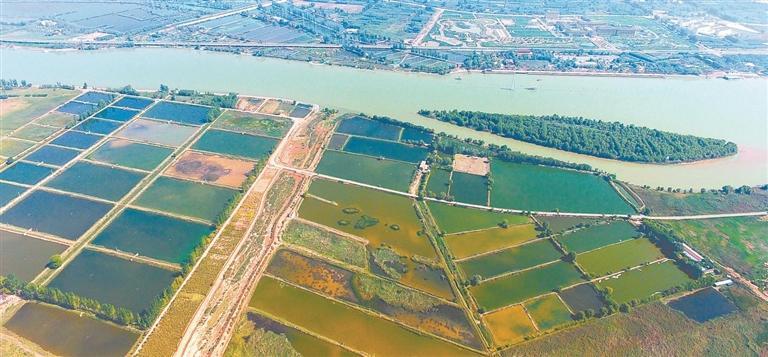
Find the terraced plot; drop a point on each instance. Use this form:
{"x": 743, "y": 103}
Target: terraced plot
{"x": 97, "y": 126}
{"x": 65, "y": 216}
{"x": 379, "y": 217}
{"x": 468, "y": 188}
{"x": 385, "y": 149}
{"x": 509, "y": 325}
{"x": 52, "y": 155}
{"x": 25, "y": 257}
{"x": 130, "y": 154}
{"x": 343, "y": 323}
{"x": 179, "y": 112}
{"x": 515, "y": 288}
{"x": 539, "y": 188}
{"x": 509, "y": 260}
{"x": 25, "y": 173}
{"x": 597, "y": 236}
{"x": 156, "y": 132}
{"x": 133, "y": 102}
{"x": 96, "y": 180}
{"x": 548, "y": 312}
{"x": 370, "y": 128}
{"x": 394, "y": 175}
{"x": 76, "y": 140}
{"x": 454, "y": 219}
{"x": 639, "y": 284}
{"x": 620, "y": 256}
{"x": 463, "y": 245}
{"x": 113, "y": 280}
{"x": 241, "y": 145}
{"x": 56, "y": 119}
{"x": 253, "y": 123}
{"x": 117, "y": 114}
{"x": 186, "y": 198}
{"x": 153, "y": 235}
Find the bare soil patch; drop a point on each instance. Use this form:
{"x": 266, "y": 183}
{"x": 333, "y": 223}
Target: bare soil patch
{"x": 249, "y": 104}
{"x": 211, "y": 168}
{"x": 471, "y": 164}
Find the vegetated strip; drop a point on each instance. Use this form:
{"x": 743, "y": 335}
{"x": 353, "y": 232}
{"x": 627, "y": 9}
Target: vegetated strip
{"x": 612, "y": 140}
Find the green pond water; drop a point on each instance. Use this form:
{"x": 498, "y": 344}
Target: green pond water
{"x": 129, "y": 154}
{"x": 187, "y": 198}
{"x": 67, "y": 333}
{"x": 732, "y": 110}
{"x": 96, "y": 180}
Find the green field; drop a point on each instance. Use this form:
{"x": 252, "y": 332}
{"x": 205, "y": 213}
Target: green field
{"x": 342, "y": 323}
{"x": 618, "y": 257}
{"x": 597, "y": 236}
{"x": 467, "y": 244}
{"x": 454, "y": 219}
{"x": 540, "y": 188}
{"x": 509, "y": 260}
{"x": 548, "y": 312}
{"x": 559, "y": 224}
{"x": 469, "y": 188}
{"x": 394, "y": 175}
{"x": 385, "y": 149}
{"x": 641, "y": 283}
{"x": 515, "y": 288}
{"x": 186, "y": 198}
{"x": 326, "y": 243}
{"x": 738, "y": 242}
{"x": 35, "y": 132}
{"x": 439, "y": 183}
{"x": 27, "y": 108}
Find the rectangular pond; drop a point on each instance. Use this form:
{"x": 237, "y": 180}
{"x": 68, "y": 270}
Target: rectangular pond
{"x": 62, "y": 215}
{"x": 582, "y": 297}
{"x": 97, "y": 126}
{"x": 370, "y": 128}
{"x": 469, "y": 188}
{"x": 598, "y": 235}
{"x": 52, "y": 155}
{"x": 35, "y": 132}
{"x": 235, "y": 144}
{"x": 510, "y": 259}
{"x": 644, "y": 282}
{"x": 113, "y": 280}
{"x": 455, "y": 219}
{"x": 133, "y": 102}
{"x": 253, "y": 123}
{"x": 8, "y": 192}
{"x": 394, "y": 175}
{"x": 77, "y": 108}
{"x": 130, "y": 154}
{"x": 96, "y": 180}
{"x": 179, "y": 112}
{"x": 471, "y": 243}
{"x": 386, "y": 149}
{"x": 26, "y": 173}
{"x": 703, "y": 305}
{"x": 620, "y": 256}
{"x": 77, "y": 140}
{"x": 96, "y": 97}
{"x": 156, "y": 132}
{"x": 25, "y": 257}
{"x": 186, "y": 198}
{"x": 117, "y": 114}
{"x": 153, "y": 235}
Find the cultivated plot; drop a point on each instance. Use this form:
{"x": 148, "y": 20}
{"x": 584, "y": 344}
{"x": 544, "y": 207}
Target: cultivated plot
{"x": 253, "y": 123}
{"x": 34, "y": 132}
{"x": 598, "y": 235}
{"x": 463, "y": 245}
{"x": 11, "y": 147}
{"x": 644, "y": 282}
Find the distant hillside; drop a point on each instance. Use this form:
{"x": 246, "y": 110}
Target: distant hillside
{"x": 592, "y": 137}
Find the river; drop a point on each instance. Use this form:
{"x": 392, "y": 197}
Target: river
{"x": 733, "y": 110}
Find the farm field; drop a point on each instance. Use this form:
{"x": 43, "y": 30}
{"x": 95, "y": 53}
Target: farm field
{"x": 394, "y": 175}
{"x": 613, "y": 258}
{"x": 253, "y": 123}
{"x": 327, "y": 243}
{"x": 28, "y": 106}
{"x": 539, "y": 188}
{"x": 509, "y": 325}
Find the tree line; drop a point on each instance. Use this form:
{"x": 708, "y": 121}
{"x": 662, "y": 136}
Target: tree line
{"x": 611, "y": 140}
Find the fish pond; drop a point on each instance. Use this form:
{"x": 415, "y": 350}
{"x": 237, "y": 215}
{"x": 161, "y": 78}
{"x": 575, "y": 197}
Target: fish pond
{"x": 25, "y": 257}
{"x": 69, "y": 333}
{"x": 113, "y": 280}
{"x": 510, "y": 259}
{"x": 370, "y": 128}
{"x": 469, "y": 188}
{"x": 509, "y": 325}
{"x": 65, "y": 216}
{"x": 394, "y": 175}
{"x": 133, "y": 102}
{"x": 540, "y": 188}
{"x": 8, "y": 192}
{"x": 703, "y": 305}
{"x": 598, "y": 235}
{"x": 337, "y": 141}
{"x": 439, "y": 183}
{"x": 130, "y": 154}
{"x": 582, "y": 297}
{"x": 52, "y": 155}
{"x": 96, "y": 180}
{"x": 548, "y": 312}
{"x": 179, "y": 112}
{"x": 117, "y": 114}
{"x": 96, "y": 97}
{"x": 186, "y": 198}
{"x": 217, "y": 169}
{"x": 511, "y": 289}
{"x": 385, "y": 149}
{"x": 342, "y": 323}
{"x": 168, "y": 134}
{"x": 619, "y": 256}
{"x": 76, "y": 140}
{"x": 454, "y": 219}
{"x": 77, "y": 108}
{"x": 97, "y": 126}
{"x": 467, "y": 244}
{"x": 153, "y": 235}
{"x": 26, "y": 173}
{"x": 236, "y": 144}
{"x": 639, "y": 284}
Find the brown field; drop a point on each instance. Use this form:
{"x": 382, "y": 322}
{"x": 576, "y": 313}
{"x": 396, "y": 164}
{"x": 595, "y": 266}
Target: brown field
{"x": 249, "y": 104}
{"x": 211, "y": 168}
{"x": 471, "y": 164}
